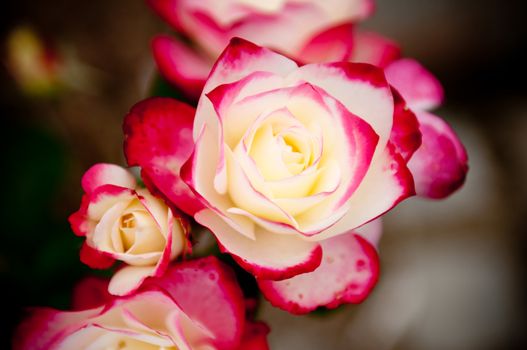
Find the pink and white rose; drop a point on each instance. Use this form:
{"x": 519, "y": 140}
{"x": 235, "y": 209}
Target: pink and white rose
{"x": 195, "y": 305}
{"x": 123, "y": 222}
{"x": 282, "y": 160}
{"x": 293, "y": 27}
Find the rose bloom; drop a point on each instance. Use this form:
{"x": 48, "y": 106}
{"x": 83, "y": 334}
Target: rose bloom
{"x": 195, "y": 305}
{"x": 283, "y": 164}
{"x": 126, "y": 223}
{"x": 294, "y": 27}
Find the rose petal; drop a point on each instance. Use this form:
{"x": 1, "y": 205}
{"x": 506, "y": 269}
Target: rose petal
{"x": 271, "y": 256}
{"x": 128, "y": 279}
{"x": 79, "y": 222}
{"x": 95, "y": 258}
{"x": 418, "y": 86}
{"x": 374, "y": 49}
{"x": 439, "y": 166}
{"x": 331, "y": 45}
{"x": 347, "y": 274}
{"x": 104, "y": 198}
{"x": 107, "y": 174}
{"x": 405, "y": 136}
{"x": 180, "y": 65}
{"x": 158, "y": 137}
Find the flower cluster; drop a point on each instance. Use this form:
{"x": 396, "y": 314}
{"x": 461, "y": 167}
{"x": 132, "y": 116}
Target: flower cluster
{"x": 304, "y": 131}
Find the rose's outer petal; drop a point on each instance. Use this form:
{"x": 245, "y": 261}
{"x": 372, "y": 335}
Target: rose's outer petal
{"x": 78, "y": 220}
{"x": 95, "y": 258}
{"x": 206, "y": 289}
{"x": 374, "y": 49}
{"x": 180, "y": 65}
{"x": 405, "y": 135}
{"x": 347, "y": 274}
{"x": 420, "y": 89}
{"x": 90, "y": 292}
{"x": 269, "y": 255}
{"x": 439, "y": 166}
{"x": 239, "y": 59}
{"x": 158, "y": 137}
{"x": 331, "y": 45}
{"x": 128, "y": 279}
{"x": 107, "y": 174}
{"x": 255, "y": 336}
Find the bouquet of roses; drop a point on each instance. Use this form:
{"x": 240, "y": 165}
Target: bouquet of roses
{"x": 298, "y": 133}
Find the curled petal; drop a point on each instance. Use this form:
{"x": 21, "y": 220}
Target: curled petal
{"x": 180, "y": 65}
{"x": 95, "y": 258}
{"x": 129, "y": 278}
{"x": 107, "y": 174}
{"x": 347, "y": 274}
{"x": 158, "y": 137}
{"x": 439, "y": 166}
{"x": 269, "y": 256}
{"x": 405, "y": 135}
{"x": 418, "y": 86}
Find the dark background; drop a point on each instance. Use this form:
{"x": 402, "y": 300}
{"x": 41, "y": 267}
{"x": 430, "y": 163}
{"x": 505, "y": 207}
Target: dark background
{"x": 453, "y": 272}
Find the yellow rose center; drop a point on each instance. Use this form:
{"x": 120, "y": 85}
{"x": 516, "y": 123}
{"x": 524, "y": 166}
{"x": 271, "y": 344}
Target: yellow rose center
{"x": 138, "y": 233}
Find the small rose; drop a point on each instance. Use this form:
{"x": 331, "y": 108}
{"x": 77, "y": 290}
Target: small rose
{"x": 196, "y": 305}
{"x": 126, "y": 223}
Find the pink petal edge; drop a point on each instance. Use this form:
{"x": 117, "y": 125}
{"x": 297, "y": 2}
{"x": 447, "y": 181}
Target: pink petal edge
{"x": 347, "y": 274}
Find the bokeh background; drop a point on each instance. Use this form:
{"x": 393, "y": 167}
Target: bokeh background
{"x": 453, "y": 272}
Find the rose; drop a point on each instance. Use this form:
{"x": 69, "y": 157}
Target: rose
{"x": 283, "y": 157}
{"x": 288, "y": 26}
{"x": 195, "y": 305}
{"x": 123, "y": 222}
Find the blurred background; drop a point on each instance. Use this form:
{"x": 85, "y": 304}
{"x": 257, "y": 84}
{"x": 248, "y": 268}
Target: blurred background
{"x": 453, "y": 271}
